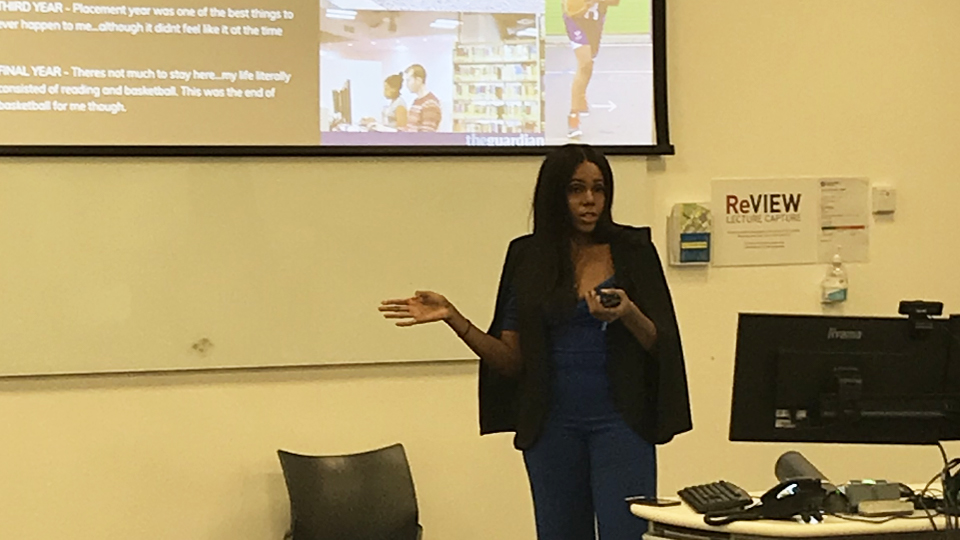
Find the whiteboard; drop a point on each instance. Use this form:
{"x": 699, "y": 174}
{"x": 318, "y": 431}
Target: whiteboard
{"x": 118, "y": 265}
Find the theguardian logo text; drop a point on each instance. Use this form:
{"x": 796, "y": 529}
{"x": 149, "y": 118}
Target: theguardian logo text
{"x": 521, "y": 139}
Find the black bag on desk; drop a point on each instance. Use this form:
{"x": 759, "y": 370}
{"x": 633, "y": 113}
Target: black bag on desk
{"x": 797, "y": 496}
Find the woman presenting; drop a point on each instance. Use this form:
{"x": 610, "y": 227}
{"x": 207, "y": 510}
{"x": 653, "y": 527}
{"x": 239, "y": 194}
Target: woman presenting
{"x": 588, "y": 384}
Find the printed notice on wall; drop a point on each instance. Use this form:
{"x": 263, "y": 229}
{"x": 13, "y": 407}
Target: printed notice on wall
{"x": 844, "y": 216}
{"x": 765, "y": 221}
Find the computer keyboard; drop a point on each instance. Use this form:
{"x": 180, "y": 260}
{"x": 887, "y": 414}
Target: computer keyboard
{"x": 715, "y": 496}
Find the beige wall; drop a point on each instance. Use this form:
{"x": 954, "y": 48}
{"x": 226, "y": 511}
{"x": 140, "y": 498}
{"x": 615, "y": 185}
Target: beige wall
{"x": 758, "y": 88}
{"x": 125, "y": 264}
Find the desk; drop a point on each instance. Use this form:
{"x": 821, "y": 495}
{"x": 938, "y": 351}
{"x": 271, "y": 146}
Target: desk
{"x": 682, "y": 523}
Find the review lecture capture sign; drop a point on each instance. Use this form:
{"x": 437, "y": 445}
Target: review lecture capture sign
{"x": 765, "y": 221}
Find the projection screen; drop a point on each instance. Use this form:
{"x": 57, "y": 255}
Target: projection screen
{"x": 337, "y": 77}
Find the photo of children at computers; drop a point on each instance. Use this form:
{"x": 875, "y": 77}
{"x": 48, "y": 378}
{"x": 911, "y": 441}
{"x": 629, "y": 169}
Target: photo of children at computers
{"x": 428, "y": 77}
{"x": 393, "y": 116}
{"x": 423, "y": 114}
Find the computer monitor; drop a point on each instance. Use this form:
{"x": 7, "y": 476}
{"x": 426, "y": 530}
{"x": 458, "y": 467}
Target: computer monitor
{"x": 342, "y": 105}
{"x": 835, "y": 379}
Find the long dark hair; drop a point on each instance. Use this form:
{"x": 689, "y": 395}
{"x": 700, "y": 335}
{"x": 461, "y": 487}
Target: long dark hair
{"x": 553, "y": 226}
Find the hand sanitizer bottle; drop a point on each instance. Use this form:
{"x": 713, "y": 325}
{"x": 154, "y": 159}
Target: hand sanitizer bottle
{"x": 833, "y": 288}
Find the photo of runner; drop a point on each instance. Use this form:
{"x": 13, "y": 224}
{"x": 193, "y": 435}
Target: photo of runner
{"x": 599, "y": 71}
{"x": 583, "y": 20}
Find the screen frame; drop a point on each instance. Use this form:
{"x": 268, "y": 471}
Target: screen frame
{"x": 756, "y": 376}
{"x": 662, "y": 145}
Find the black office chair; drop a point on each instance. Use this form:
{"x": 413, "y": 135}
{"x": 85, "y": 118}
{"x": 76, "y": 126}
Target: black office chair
{"x": 365, "y": 496}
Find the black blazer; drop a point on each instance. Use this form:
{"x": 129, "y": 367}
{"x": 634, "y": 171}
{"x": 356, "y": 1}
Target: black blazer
{"x": 649, "y": 387}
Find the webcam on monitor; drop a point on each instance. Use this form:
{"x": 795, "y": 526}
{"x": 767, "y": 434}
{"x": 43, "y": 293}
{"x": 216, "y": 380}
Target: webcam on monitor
{"x": 920, "y": 308}
{"x": 919, "y": 312}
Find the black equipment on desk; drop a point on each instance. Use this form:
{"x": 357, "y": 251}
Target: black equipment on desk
{"x": 803, "y": 496}
{"x": 717, "y": 496}
{"x": 791, "y": 465}
{"x": 798, "y": 497}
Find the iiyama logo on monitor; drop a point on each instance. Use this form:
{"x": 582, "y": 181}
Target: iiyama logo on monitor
{"x": 833, "y": 333}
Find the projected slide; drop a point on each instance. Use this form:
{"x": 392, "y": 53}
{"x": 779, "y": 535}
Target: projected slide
{"x": 345, "y": 73}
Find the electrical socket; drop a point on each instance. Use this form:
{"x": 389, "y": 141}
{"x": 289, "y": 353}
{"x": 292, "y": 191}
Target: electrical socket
{"x": 884, "y": 199}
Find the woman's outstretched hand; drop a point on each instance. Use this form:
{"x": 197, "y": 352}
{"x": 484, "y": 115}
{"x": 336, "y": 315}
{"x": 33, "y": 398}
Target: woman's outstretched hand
{"x": 423, "y": 307}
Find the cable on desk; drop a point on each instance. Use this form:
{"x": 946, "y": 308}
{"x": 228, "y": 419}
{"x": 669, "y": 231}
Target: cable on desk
{"x": 919, "y": 499}
{"x": 878, "y": 520}
{"x": 951, "y": 508}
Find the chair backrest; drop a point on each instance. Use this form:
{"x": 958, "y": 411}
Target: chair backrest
{"x": 364, "y": 496}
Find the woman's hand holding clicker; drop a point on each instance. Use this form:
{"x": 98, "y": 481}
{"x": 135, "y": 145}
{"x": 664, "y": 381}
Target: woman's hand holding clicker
{"x": 609, "y": 314}
{"x": 627, "y": 312}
